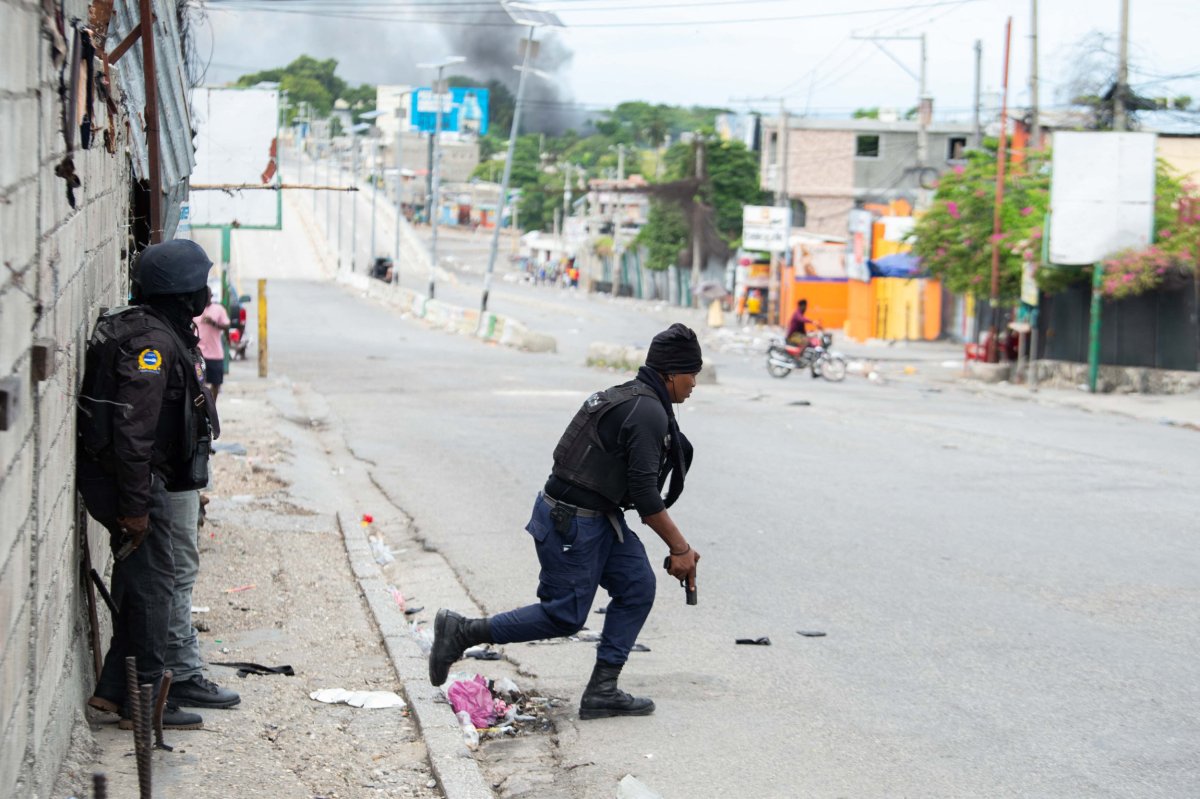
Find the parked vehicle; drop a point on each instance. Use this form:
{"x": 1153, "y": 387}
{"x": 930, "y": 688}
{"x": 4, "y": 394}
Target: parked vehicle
{"x": 782, "y": 358}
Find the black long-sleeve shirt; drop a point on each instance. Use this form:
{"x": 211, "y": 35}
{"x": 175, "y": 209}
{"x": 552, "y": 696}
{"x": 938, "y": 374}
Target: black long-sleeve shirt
{"x": 637, "y": 432}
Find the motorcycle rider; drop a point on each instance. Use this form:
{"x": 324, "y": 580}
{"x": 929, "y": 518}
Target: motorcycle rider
{"x": 797, "y": 329}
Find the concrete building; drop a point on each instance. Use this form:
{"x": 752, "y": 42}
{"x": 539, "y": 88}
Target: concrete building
{"x": 834, "y": 166}
{"x": 68, "y": 232}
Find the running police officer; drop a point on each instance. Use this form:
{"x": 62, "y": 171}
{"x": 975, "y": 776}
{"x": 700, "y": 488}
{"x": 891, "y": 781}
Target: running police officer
{"x": 146, "y": 422}
{"x": 615, "y": 454}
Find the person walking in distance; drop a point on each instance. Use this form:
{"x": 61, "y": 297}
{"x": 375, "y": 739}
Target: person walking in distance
{"x": 211, "y": 325}
{"x": 617, "y": 453}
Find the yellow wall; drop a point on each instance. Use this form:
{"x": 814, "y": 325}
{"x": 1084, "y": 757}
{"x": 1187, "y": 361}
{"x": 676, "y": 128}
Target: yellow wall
{"x": 894, "y": 308}
{"x": 827, "y": 300}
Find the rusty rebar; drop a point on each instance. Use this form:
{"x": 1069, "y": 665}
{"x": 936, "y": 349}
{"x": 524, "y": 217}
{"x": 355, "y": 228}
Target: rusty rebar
{"x": 163, "y": 687}
{"x": 133, "y": 706}
{"x": 99, "y": 785}
{"x": 143, "y": 729}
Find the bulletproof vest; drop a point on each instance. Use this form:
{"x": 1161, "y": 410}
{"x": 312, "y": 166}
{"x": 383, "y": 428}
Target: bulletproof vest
{"x": 96, "y": 406}
{"x": 580, "y": 457}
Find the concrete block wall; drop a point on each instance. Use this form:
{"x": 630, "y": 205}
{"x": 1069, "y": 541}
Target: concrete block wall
{"x": 60, "y": 265}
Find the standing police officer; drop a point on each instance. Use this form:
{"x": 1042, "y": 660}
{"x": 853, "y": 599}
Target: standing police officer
{"x": 615, "y": 454}
{"x": 146, "y": 422}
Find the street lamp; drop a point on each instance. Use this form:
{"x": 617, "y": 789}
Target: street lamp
{"x": 435, "y": 167}
{"x": 373, "y": 115}
{"x": 533, "y": 19}
{"x": 354, "y": 131}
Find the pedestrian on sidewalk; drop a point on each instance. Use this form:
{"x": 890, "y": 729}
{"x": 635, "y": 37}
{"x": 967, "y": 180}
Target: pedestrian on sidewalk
{"x": 211, "y": 325}
{"x": 616, "y": 454}
{"x": 145, "y": 426}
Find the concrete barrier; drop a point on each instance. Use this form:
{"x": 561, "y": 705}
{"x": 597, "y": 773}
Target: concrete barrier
{"x": 605, "y": 355}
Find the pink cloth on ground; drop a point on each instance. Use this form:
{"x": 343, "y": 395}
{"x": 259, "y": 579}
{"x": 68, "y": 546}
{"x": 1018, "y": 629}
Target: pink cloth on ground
{"x": 210, "y": 335}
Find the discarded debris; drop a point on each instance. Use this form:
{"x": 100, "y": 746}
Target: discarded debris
{"x": 639, "y": 648}
{"x": 379, "y": 548}
{"x": 482, "y": 653}
{"x": 764, "y": 641}
{"x": 240, "y": 588}
{"x": 231, "y": 448}
{"x": 368, "y": 700}
{"x": 245, "y": 667}
{"x": 470, "y": 734}
{"x": 474, "y": 697}
{"x": 600, "y": 611}
{"x": 630, "y": 787}
{"x": 203, "y": 609}
{"x": 811, "y": 633}
{"x": 801, "y": 403}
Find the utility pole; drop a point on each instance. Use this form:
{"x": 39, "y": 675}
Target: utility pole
{"x": 618, "y": 257}
{"x": 1035, "y": 126}
{"x": 698, "y": 224}
{"x": 1120, "y": 113}
{"x": 993, "y": 355}
{"x": 924, "y": 105}
{"x": 328, "y": 178}
{"x": 399, "y": 201}
{"x": 341, "y": 173}
{"x": 374, "y": 197}
{"x": 435, "y": 185}
{"x": 354, "y": 204}
{"x": 977, "y": 127}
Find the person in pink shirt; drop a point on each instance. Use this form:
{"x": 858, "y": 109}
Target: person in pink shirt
{"x": 211, "y": 325}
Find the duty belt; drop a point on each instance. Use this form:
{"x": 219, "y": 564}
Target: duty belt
{"x": 587, "y": 513}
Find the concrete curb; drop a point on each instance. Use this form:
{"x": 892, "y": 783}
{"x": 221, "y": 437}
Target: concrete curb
{"x": 490, "y": 327}
{"x": 452, "y": 763}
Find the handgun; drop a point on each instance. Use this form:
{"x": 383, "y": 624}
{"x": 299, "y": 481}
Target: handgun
{"x": 691, "y": 592}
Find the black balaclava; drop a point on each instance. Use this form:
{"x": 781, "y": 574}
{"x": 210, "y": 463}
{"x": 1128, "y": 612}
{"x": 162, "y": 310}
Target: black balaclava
{"x": 179, "y": 310}
{"x": 674, "y": 351}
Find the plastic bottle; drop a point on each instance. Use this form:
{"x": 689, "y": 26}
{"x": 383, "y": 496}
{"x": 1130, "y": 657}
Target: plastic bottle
{"x": 470, "y": 734}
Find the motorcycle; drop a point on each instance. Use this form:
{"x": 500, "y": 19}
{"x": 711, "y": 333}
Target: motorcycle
{"x": 782, "y": 358}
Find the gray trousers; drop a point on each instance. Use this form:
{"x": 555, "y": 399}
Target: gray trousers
{"x": 183, "y": 649}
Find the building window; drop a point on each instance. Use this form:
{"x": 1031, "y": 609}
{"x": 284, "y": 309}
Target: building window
{"x": 799, "y": 212}
{"x": 956, "y": 148}
{"x": 866, "y": 147}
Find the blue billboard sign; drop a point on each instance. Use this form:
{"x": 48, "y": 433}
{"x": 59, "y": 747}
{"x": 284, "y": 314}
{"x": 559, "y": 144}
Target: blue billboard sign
{"x": 464, "y": 110}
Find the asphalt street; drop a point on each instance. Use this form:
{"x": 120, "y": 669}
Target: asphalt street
{"x": 1009, "y": 592}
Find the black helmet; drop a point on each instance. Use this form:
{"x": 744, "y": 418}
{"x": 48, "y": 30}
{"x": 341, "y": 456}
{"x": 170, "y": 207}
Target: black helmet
{"x": 179, "y": 266}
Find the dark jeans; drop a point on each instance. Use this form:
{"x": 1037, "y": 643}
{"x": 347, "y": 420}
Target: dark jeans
{"x": 142, "y": 588}
{"x": 569, "y": 579}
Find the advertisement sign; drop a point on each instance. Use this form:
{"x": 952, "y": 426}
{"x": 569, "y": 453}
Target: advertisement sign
{"x": 766, "y": 228}
{"x": 1101, "y": 195}
{"x": 858, "y": 247}
{"x": 464, "y": 110}
{"x": 235, "y": 143}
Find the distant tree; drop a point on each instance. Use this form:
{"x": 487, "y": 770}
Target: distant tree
{"x": 866, "y": 113}
{"x": 1183, "y": 102}
{"x": 1091, "y": 84}
{"x": 361, "y": 99}
{"x": 307, "y": 80}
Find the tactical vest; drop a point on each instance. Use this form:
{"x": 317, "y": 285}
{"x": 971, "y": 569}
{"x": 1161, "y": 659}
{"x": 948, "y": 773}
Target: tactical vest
{"x": 97, "y": 395}
{"x": 580, "y": 457}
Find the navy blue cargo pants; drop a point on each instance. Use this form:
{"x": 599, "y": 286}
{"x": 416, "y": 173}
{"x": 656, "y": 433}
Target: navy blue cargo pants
{"x": 574, "y": 564}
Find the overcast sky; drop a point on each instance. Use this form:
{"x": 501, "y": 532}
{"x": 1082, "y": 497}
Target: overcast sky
{"x": 814, "y": 62}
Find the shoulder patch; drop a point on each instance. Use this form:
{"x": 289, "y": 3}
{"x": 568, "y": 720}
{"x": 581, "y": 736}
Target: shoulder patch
{"x": 149, "y": 360}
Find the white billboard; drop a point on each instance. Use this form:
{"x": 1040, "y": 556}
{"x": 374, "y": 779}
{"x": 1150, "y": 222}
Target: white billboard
{"x": 235, "y": 144}
{"x": 766, "y": 228}
{"x": 1101, "y": 195}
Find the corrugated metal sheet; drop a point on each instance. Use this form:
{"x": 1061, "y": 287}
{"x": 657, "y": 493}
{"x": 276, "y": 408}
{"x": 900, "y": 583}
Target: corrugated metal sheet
{"x": 174, "y": 119}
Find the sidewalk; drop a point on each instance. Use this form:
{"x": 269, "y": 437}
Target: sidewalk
{"x": 276, "y": 588}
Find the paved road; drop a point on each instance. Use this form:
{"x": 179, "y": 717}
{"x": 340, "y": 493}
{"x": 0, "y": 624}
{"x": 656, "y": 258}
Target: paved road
{"x": 1010, "y": 591}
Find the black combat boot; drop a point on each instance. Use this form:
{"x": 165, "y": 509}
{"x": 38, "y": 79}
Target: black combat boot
{"x": 452, "y": 634}
{"x": 602, "y": 698}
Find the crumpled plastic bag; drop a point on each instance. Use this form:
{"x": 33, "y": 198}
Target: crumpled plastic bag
{"x": 369, "y": 700}
{"x": 474, "y": 697}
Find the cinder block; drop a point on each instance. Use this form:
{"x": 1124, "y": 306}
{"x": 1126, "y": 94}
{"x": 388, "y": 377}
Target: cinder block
{"x": 53, "y": 664}
{"x": 14, "y": 663}
{"x": 18, "y": 160}
{"x": 18, "y": 55}
{"x": 16, "y": 736}
{"x": 16, "y": 504}
{"x": 19, "y": 231}
{"x": 14, "y": 585}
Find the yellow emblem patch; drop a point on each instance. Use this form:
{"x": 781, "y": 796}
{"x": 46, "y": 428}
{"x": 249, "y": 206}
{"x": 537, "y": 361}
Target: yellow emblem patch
{"x": 149, "y": 360}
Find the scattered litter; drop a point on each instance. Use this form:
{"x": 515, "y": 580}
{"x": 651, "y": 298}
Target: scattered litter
{"x": 413, "y": 611}
{"x": 242, "y": 499}
{"x": 368, "y": 700}
{"x": 507, "y": 687}
{"x": 587, "y": 636}
{"x": 228, "y": 448}
{"x": 470, "y": 734}
{"x": 764, "y": 641}
{"x": 601, "y": 611}
{"x": 423, "y": 636}
{"x": 397, "y": 596}
{"x": 811, "y": 633}
{"x": 204, "y": 609}
{"x": 240, "y": 588}
{"x": 640, "y": 648}
{"x": 482, "y": 653}
{"x": 201, "y": 626}
{"x": 474, "y": 697}
{"x": 910, "y": 370}
{"x": 801, "y": 403}
{"x": 245, "y": 667}
{"x": 379, "y": 548}
{"x": 630, "y": 787}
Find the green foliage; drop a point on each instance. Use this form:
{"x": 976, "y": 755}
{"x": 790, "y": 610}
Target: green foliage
{"x": 647, "y": 125}
{"x": 1176, "y": 250}
{"x": 732, "y": 182}
{"x": 664, "y": 236}
{"x": 954, "y": 237}
{"x": 315, "y": 82}
{"x": 866, "y": 113}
